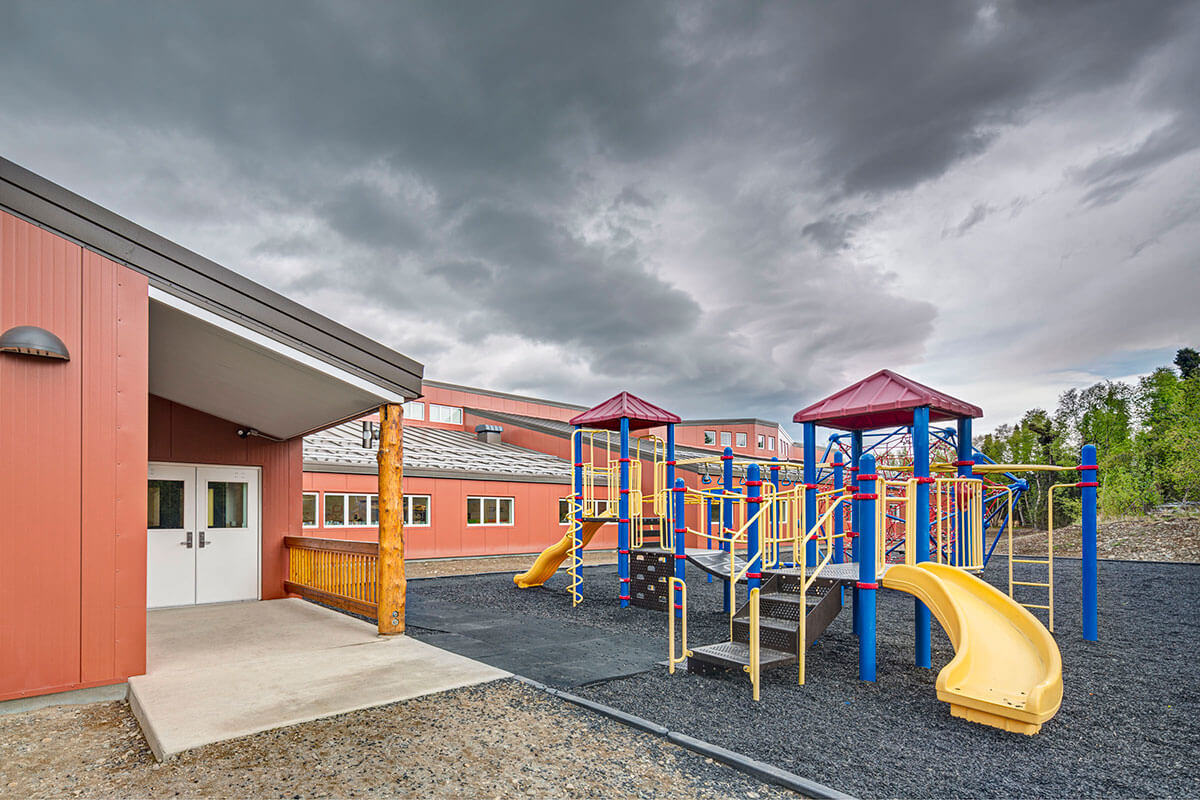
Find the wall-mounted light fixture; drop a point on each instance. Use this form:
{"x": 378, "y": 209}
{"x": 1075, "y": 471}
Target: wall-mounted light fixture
{"x": 30, "y": 340}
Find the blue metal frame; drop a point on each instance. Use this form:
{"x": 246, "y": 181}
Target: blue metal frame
{"x": 623, "y": 517}
{"x": 864, "y": 604}
{"x": 920, "y": 439}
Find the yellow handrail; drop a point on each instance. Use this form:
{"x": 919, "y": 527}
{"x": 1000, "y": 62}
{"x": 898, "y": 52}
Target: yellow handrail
{"x": 684, "y": 652}
{"x": 753, "y": 667}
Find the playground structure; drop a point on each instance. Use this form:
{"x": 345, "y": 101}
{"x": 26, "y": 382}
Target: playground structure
{"x": 873, "y": 511}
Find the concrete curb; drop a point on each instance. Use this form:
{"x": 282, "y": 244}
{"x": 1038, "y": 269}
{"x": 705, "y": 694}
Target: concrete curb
{"x": 749, "y": 766}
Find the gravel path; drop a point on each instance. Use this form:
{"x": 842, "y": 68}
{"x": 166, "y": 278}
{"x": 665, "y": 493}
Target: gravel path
{"x": 502, "y": 739}
{"x": 1129, "y": 725}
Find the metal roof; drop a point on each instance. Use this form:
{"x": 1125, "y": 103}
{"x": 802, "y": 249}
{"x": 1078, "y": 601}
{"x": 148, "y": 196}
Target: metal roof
{"x": 883, "y": 400}
{"x": 204, "y": 283}
{"x": 435, "y": 453}
{"x": 608, "y": 415}
{"x": 682, "y": 452}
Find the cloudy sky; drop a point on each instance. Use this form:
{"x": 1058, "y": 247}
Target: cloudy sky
{"x": 728, "y": 208}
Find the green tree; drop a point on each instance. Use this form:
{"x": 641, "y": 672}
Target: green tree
{"x": 1188, "y": 361}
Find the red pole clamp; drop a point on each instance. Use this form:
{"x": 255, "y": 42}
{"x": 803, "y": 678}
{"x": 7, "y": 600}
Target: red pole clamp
{"x": 623, "y": 552}
{"x": 867, "y": 476}
{"x": 679, "y": 489}
{"x": 579, "y": 463}
{"x": 812, "y": 486}
{"x": 754, "y": 575}
{"x": 754, "y": 499}
{"x": 754, "y": 483}
{"x": 865, "y": 496}
{"x": 926, "y": 479}
{"x": 1084, "y": 484}
{"x": 726, "y": 458}
{"x": 671, "y": 463}
{"x": 681, "y": 530}
{"x": 862, "y": 585}
{"x": 624, "y": 460}
{"x": 677, "y": 556}
{"x": 624, "y": 521}
{"x": 851, "y": 534}
{"x": 624, "y": 491}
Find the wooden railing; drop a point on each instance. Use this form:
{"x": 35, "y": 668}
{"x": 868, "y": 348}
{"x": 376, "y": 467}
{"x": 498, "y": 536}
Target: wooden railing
{"x": 336, "y": 572}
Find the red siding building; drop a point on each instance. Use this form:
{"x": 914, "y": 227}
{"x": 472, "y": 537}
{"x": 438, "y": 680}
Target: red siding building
{"x": 153, "y": 406}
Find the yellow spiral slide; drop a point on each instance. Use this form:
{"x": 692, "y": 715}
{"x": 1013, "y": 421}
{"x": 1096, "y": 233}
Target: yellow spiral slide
{"x": 552, "y": 557}
{"x": 1006, "y": 671}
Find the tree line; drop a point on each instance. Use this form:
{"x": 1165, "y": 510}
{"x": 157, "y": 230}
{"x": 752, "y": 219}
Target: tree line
{"x": 1147, "y": 437}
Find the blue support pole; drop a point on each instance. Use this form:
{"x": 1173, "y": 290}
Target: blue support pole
{"x": 753, "y": 501}
{"x": 670, "y": 470}
{"x": 810, "y": 489}
{"x": 1088, "y": 482}
{"x": 920, "y": 439}
{"x": 865, "y": 605}
{"x": 727, "y": 514}
{"x": 577, "y": 505}
{"x": 856, "y": 453}
{"x": 839, "y": 551}
{"x": 623, "y": 517}
{"x": 677, "y": 495}
{"x": 963, "y": 463}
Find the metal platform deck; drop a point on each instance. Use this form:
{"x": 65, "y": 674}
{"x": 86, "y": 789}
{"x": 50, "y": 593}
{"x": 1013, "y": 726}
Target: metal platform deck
{"x": 716, "y": 562}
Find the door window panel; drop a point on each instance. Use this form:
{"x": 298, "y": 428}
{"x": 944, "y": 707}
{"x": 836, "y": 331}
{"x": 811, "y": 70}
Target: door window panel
{"x": 227, "y": 504}
{"x": 164, "y": 505}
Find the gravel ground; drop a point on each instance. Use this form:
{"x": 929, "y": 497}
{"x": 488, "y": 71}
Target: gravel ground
{"x": 1128, "y": 726}
{"x": 502, "y": 739}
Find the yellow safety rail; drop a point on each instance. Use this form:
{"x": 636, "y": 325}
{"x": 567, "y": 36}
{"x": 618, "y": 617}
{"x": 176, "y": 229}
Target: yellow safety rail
{"x": 754, "y": 667}
{"x": 672, "y": 583}
{"x": 958, "y": 509}
{"x": 340, "y": 573}
{"x": 825, "y": 525}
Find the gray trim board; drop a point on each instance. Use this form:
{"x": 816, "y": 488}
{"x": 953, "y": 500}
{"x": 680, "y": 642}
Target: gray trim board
{"x": 457, "y": 387}
{"x": 426, "y": 472}
{"x": 199, "y": 280}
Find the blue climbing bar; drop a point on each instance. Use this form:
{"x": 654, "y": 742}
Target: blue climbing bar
{"x": 839, "y": 551}
{"x": 670, "y": 470}
{"x": 864, "y": 606}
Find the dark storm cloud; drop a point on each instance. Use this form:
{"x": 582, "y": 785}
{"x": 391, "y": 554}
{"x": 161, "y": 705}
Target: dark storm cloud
{"x": 509, "y": 169}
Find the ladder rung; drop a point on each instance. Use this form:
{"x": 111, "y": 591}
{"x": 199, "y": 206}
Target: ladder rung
{"x": 1031, "y": 605}
{"x": 1028, "y": 583}
{"x": 1030, "y": 561}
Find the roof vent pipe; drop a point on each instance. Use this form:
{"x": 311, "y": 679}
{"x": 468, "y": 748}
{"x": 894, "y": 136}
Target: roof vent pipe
{"x": 489, "y": 434}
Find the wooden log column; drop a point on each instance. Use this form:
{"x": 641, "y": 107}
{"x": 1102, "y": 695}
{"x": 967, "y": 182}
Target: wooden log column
{"x": 392, "y": 584}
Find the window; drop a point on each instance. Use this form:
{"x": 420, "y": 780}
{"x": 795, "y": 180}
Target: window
{"x": 414, "y": 410}
{"x": 335, "y": 510}
{"x": 564, "y": 512}
{"x": 448, "y": 414}
{"x": 349, "y": 510}
{"x": 416, "y": 510}
{"x": 164, "y": 509}
{"x": 741, "y": 440}
{"x": 770, "y": 442}
{"x": 710, "y": 437}
{"x": 762, "y": 441}
{"x": 489, "y": 511}
{"x": 726, "y": 439}
{"x": 308, "y": 510}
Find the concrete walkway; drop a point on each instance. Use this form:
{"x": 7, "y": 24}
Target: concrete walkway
{"x": 222, "y": 671}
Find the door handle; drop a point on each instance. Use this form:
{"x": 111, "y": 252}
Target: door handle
{"x": 202, "y": 542}
{"x": 188, "y": 542}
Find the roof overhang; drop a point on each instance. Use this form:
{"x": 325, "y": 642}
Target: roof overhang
{"x": 207, "y": 362}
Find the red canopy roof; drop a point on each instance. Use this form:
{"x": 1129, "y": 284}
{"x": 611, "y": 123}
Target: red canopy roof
{"x": 608, "y": 414}
{"x": 883, "y": 400}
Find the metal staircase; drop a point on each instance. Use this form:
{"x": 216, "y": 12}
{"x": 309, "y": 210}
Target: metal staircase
{"x": 781, "y": 603}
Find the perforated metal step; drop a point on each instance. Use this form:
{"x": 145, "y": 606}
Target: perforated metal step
{"x": 735, "y": 655}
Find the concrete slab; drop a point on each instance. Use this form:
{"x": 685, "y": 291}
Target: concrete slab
{"x": 223, "y": 671}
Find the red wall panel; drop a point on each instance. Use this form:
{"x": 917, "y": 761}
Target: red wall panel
{"x": 181, "y": 434}
{"x": 40, "y": 432}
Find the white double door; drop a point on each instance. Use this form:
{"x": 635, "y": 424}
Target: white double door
{"x": 203, "y": 535}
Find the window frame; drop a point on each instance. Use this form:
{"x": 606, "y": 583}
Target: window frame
{"x": 710, "y": 438}
{"x": 414, "y": 404}
{"x": 317, "y": 506}
{"x": 457, "y": 413}
{"x": 726, "y": 439}
{"x": 762, "y": 441}
{"x": 742, "y": 439}
{"x": 483, "y": 523}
